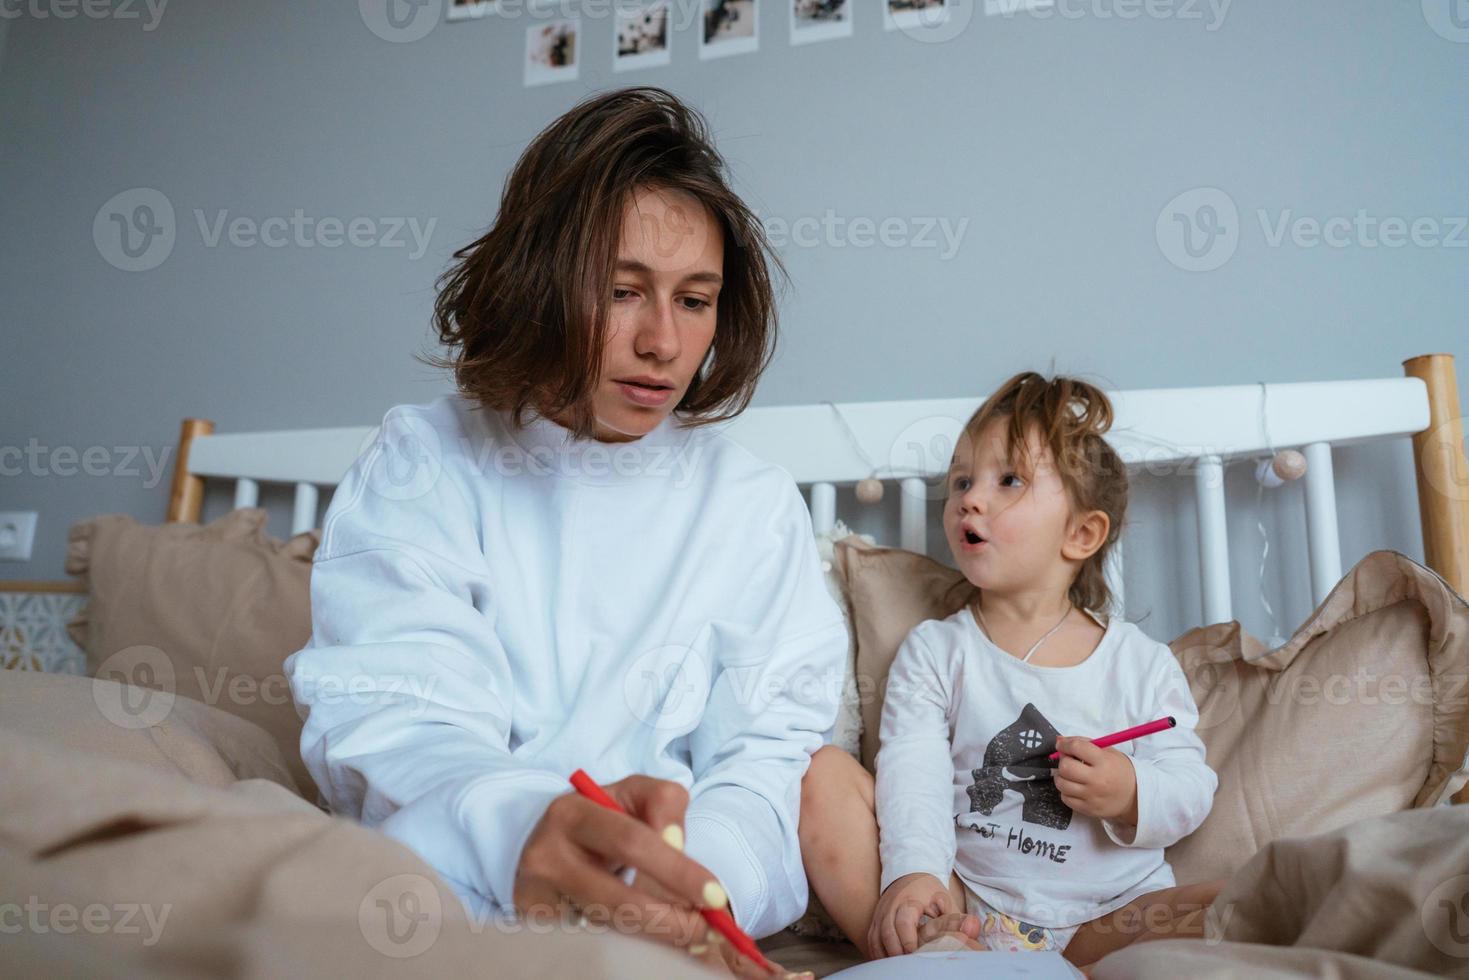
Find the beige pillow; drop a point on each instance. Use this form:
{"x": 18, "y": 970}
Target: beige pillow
{"x": 1299, "y": 743}
{"x": 1361, "y": 713}
{"x": 890, "y": 591}
{"x": 848, "y": 730}
{"x": 208, "y": 612}
{"x": 135, "y": 725}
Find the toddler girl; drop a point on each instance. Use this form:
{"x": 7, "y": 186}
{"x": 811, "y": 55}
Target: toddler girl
{"x": 976, "y": 828}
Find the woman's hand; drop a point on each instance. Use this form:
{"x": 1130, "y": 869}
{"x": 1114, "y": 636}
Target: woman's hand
{"x": 573, "y": 851}
{"x": 722, "y": 955}
{"x": 894, "y": 929}
{"x": 1096, "y": 782}
{"x": 712, "y": 949}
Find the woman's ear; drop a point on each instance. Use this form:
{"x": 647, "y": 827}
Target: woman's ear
{"x": 1087, "y": 533}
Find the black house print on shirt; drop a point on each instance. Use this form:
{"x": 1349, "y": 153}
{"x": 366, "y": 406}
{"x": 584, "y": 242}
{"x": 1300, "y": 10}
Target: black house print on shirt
{"x": 1016, "y": 760}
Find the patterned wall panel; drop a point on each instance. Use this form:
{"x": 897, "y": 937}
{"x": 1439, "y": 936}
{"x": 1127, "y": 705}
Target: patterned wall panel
{"x": 33, "y": 632}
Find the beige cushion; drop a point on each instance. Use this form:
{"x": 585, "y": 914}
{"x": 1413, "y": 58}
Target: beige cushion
{"x": 1363, "y": 712}
{"x": 848, "y": 729}
{"x": 207, "y": 612}
{"x": 136, "y": 725}
{"x": 890, "y": 591}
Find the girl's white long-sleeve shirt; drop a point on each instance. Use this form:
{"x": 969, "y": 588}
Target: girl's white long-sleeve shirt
{"x": 964, "y": 782}
{"x": 493, "y": 609}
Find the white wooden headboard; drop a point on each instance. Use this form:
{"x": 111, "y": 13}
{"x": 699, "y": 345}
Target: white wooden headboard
{"x": 1183, "y": 431}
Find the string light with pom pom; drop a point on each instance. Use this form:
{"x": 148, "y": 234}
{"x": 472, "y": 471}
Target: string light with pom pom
{"x": 869, "y": 490}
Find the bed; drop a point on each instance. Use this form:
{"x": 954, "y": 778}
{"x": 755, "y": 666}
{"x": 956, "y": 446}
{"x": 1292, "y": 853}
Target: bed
{"x": 126, "y": 792}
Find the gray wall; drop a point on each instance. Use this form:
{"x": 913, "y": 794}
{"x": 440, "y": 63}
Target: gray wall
{"x": 1060, "y": 141}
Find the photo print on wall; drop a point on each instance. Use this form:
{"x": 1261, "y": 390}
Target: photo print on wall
{"x": 551, "y": 52}
{"x": 820, "y": 20}
{"x": 642, "y": 37}
{"x": 914, "y": 14}
{"x": 729, "y": 27}
{"x": 469, "y": 9}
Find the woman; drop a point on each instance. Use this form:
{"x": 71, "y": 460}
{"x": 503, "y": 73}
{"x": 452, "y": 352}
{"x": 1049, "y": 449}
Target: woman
{"x": 567, "y": 565}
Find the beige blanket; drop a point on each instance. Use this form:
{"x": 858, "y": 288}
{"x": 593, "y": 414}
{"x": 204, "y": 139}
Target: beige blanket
{"x": 176, "y": 849}
{"x": 1385, "y": 897}
{"x": 116, "y": 869}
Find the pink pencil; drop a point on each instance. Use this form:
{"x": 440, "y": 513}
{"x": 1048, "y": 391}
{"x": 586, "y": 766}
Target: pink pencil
{"x": 1136, "y": 731}
{"x": 720, "y": 919}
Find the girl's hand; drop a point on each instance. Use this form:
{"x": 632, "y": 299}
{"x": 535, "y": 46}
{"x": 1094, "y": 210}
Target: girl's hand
{"x": 894, "y": 929}
{"x": 1096, "y": 782}
{"x": 571, "y": 855}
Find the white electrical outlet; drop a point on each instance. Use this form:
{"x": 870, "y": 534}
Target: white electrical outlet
{"x": 17, "y": 533}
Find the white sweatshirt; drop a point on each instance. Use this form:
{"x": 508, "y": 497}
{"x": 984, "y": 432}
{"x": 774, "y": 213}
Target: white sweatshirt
{"x": 964, "y": 783}
{"x": 494, "y": 610}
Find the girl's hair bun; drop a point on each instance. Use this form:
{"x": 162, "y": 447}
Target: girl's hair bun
{"x": 1094, "y": 413}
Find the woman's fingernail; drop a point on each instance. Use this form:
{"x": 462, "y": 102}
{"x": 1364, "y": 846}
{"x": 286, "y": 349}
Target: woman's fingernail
{"x": 698, "y": 949}
{"x": 673, "y": 833}
{"x": 714, "y": 896}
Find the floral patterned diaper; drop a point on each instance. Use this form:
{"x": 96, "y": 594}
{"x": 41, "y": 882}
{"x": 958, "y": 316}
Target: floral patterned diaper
{"x": 1002, "y": 932}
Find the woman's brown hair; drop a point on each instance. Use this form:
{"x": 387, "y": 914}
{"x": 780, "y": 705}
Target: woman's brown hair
{"x": 1070, "y": 417}
{"x": 525, "y": 309}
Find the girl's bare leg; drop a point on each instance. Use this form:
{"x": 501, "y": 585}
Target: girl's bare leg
{"x": 1169, "y": 913}
{"x": 838, "y": 834}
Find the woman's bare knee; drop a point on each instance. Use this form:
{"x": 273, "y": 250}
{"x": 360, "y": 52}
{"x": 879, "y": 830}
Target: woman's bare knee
{"x": 833, "y": 789}
{"x": 833, "y": 777}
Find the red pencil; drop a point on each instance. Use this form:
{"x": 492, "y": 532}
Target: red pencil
{"x": 718, "y": 918}
{"x": 1136, "y": 731}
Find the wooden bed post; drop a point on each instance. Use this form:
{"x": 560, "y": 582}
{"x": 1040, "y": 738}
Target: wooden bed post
{"x": 1443, "y": 471}
{"x": 1443, "y": 479}
{"x": 186, "y": 498}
